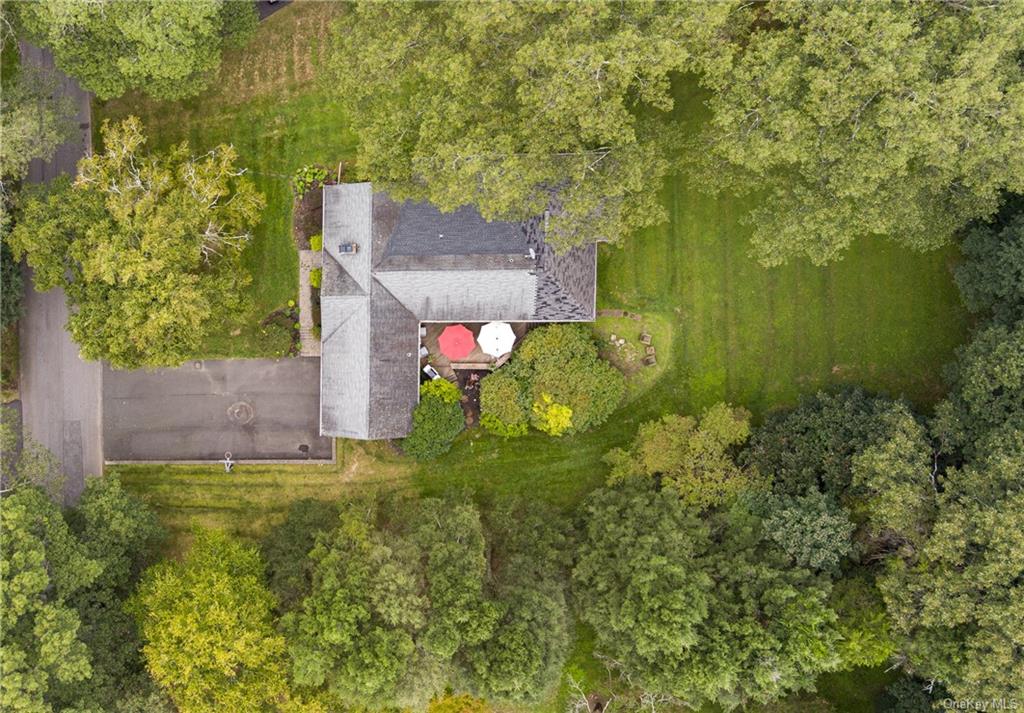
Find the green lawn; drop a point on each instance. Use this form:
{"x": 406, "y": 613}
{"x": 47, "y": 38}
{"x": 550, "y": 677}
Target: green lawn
{"x": 266, "y": 102}
{"x": 883, "y": 317}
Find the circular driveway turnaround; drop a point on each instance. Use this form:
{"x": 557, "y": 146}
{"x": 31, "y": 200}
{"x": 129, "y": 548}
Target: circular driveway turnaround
{"x": 259, "y": 409}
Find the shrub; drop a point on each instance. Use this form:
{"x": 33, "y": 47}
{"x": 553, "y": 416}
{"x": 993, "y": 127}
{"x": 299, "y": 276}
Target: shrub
{"x": 307, "y": 178}
{"x": 315, "y": 276}
{"x": 563, "y": 386}
{"x": 501, "y": 404}
{"x": 316, "y": 242}
{"x": 552, "y": 418}
{"x": 436, "y": 421}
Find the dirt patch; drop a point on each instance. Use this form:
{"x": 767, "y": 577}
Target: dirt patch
{"x": 469, "y": 385}
{"x": 307, "y": 217}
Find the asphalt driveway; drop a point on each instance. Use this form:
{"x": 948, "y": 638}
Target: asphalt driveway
{"x": 258, "y": 409}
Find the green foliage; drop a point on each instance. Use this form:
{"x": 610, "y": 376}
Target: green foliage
{"x": 811, "y": 529}
{"x": 458, "y": 704}
{"x": 35, "y": 118}
{"x": 502, "y": 405}
{"x": 42, "y": 565}
{"x": 315, "y": 276}
{"x": 146, "y": 247}
{"x": 986, "y": 389}
{"x": 701, "y": 611}
{"x": 865, "y": 635}
{"x": 285, "y": 549}
{"x": 911, "y": 695}
{"x": 813, "y": 445}
{"x": 552, "y": 418}
{"x": 316, "y": 242}
{"x": 989, "y": 277}
{"x": 451, "y": 537}
{"x": 30, "y": 465}
{"x": 560, "y": 384}
{"x": 11, "y": 288}
{"x": 892, "y": 477}
{"x": 539, "y": 98}
{"x": 436, "y": 420}
{"x": 691, "y": 458}
{"x": 166, "y": 49}
{"x": 635, "y": 583}
{"x": 864, "y": 119}
{"x": 955, "y": 603}
{"x": 306, "y": 179}
{"x": 523, "y": 658}
{"x": 355, "y": 631}
{"x": 206, "y": 622}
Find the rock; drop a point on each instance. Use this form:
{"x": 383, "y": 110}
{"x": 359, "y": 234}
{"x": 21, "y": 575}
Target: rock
{"x": 236, "y": 332}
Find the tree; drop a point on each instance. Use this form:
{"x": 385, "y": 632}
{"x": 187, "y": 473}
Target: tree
{"x": 560, "y": 378}
{"x": 691, "y": 458}
{"x": 705, "y": 612}
{"x": 866, "y": 637}
{"x": 813, "y": 445}
{"x": 119, "y": 532}
{"x": 504, "y": 405}
{"x": 451, "y": 537}
{"x": 524, "y": 655}
{"x": 35, "y": 119}
{"x": 546, "y": 106}
{"x": 207, "y": 626}
{"x": 989, "y": 277}
{"x": 811, "y": 529}
{"x": 146, "y": 247}
{"x": 436, "y": 420}
{"x": 169, "y": 50}
{"x": 28, "y": 462}
{"x": 10, "y": 287}
{"x": 986, "y": 390}
{"x": 285, "y": 549}
{"x": 637, "y": 580}
{"x": 893, "y": 478}
{"x": 355, "y": 632}
{"x": 956, "y": 603}
{"x": 864, "y": 119}
{"x": 42, "y": 565}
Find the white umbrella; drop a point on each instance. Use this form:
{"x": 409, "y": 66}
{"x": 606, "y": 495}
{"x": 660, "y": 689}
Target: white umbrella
{"x": 496, "y": 338}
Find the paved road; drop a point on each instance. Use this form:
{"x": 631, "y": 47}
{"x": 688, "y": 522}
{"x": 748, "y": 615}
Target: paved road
{"x": 256, "y": 408}
{"x": 60, "y": 393}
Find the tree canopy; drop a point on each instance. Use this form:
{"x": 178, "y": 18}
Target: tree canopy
{"x": 546, "y": 105}
{"x": 164, "y": 48}
{"x": 207, "y": 627}
{"x": 864, "y": 119}
{"x": 146, "y": 247}
{"x": 561, "y": 385}
{"x": 35, "y": 119}
{"x": 692, "y": 458}
{"x": 701, "y": 610}
{"x": 989, "y": 277}
{"x": 436, "y": 420}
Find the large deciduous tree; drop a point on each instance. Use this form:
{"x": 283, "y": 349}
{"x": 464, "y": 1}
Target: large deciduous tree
{"x": 863, "y": 119}
{"x": 147, "y": 247}
{"x": 990, "y": 276}
{"x": 690, "y": 457}
{"x": 957, "y": 603}
{"x": 703, "y": 611}
{"x": 518, "y": 107}
{"x": 42, "y": 566}
{"x": 165, "y": 48}
{"x": 207, "y": 627}
{"x": 35, "y": 118}
{"x": 523, "y": 656}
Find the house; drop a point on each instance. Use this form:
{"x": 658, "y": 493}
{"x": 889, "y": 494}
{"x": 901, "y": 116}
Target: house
{"x": 389, "y": 266}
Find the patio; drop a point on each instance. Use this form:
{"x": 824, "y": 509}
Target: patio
{"x": 476, "y": 359}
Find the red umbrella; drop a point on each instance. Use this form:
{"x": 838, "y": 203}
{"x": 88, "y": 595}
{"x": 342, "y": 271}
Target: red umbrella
{"x": 456, "y": 341}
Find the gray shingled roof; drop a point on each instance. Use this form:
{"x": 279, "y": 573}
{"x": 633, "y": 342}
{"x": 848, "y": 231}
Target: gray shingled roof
{"x": 403, "y": 273}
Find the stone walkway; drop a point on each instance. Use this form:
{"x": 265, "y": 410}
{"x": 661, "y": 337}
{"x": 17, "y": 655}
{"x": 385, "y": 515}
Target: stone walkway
{"x": 309, "y": 343}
